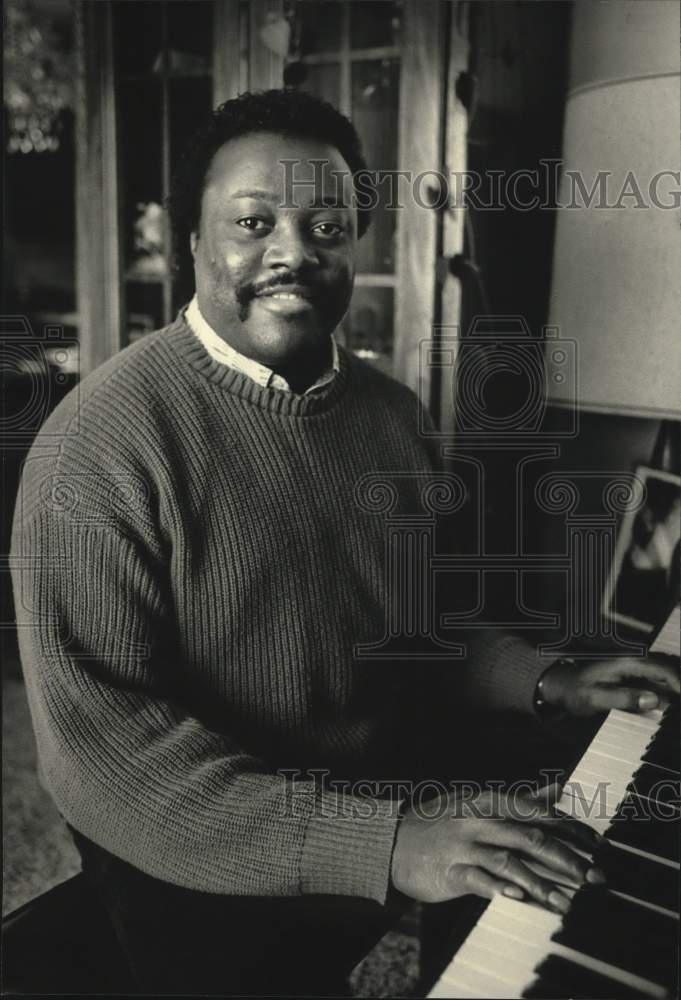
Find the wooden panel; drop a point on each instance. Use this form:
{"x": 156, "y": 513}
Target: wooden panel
{"x": 97, "y": 230}
{"x": 421, "y": 111}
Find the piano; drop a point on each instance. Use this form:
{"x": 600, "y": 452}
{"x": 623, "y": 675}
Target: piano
{"x": 617, "y": 941}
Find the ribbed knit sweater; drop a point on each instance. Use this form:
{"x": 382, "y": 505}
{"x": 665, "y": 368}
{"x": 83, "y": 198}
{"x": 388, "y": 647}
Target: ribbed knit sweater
{"x": 192, "y": 572}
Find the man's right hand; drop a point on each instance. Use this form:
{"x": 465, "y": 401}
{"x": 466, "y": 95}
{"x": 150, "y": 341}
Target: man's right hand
{"x": 480, "y": 845}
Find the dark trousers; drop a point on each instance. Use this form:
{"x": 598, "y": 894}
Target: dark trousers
{"x": 178, "y": 941}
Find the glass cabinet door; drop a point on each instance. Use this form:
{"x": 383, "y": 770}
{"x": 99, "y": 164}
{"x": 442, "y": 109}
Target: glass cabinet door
{"x": 349, "y": 53}
{"x": 162, "y": 67}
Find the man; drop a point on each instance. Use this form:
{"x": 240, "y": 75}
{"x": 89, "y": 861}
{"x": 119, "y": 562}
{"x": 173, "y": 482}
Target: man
{"x": 199, "y": 575}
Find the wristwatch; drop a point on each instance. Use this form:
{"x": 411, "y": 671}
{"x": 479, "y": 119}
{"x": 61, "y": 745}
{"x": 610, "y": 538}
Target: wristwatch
{"x": 540, "y": 703}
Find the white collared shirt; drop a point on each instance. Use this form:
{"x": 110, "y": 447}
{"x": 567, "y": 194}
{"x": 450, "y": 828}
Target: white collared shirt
{"x": 224, "y": 354}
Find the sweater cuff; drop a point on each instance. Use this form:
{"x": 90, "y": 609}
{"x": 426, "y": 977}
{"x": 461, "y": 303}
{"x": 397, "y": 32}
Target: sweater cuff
{"x": 505, "y": 671}
{"x": 348, "y": 846}
{"x": 527, "y": 667}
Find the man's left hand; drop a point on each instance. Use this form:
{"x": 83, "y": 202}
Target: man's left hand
{"x": 629, "y": 683}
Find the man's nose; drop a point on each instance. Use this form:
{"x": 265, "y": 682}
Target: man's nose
{"x": 288, "y": 247}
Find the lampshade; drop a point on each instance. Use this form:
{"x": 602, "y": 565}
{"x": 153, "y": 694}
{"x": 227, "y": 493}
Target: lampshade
{"x": 616, "y": 288}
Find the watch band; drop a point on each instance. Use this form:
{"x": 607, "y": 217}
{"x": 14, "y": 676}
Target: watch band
{"x": 540, "y": 703}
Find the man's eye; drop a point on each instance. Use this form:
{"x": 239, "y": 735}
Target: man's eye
{"x": 329, "y": 230}
{"x": 252, "y": 223}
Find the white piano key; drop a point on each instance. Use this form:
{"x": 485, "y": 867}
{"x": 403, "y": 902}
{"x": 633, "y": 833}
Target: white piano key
{"x": 601, "y": 763}
{"x": 621, "y": 753}
{"x": 668, "y": 639}
{"x": 450, "y": 990}
{"x": 618, "y": 743}
{"x": 633, "y": 726}
{"x": 528, "y": 945}
{"x": 479, "y": 963}
{"x": 600, "y": 797}
{"x": 502, "y": 946}
{"x": 613, "y": 783}
{"x": 513, "y": 970}
{"x": 530, "y": 914}
{"x": 477, "y": 982}
{"x": 633, "y": 741}
{"x": 577, "y": 807}
{"x": 645, "y": 720}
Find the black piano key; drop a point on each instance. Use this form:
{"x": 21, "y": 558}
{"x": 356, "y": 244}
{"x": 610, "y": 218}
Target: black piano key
{"x": 559, "y": 978}
{"x": 663, "y": 754}
{"x": 655, "y": 830}
{"x": 622, "y": 933}
{"x": 639, "y": 877}
{"x": 658, "y": 785}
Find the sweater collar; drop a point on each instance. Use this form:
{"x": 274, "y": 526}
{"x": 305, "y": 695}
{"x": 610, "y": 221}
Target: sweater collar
{"x": 185, "y": 344}
{"x": 224, "y": 353}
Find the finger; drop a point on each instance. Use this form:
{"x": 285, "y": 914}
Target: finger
{"x": 481, "y": 883}
{"x": 506, "y": 866}
{"x": 524, "y": 805}
{"x": 573, "y": 832}
{"x": 667, "y": 673}
{"x": 603, "y": 699}
{"x": 550, "y": 793}
{"x": 537, "y": 806}
{"x": 541, "y": 845}
{"x": 540, "y": 808}
{"x": 660, "y": 672}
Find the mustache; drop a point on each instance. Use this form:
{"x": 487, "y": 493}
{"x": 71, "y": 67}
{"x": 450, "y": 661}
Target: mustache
{"x": 250, "y": 289}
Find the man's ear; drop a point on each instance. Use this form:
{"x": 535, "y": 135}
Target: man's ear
{"x": 193, "y": 240}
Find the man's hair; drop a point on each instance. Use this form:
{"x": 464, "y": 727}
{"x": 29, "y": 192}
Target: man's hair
{"x": 287, "y": 112}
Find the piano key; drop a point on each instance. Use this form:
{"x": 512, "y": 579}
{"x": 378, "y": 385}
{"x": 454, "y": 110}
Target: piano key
{"x": 600, "y": 763}
{"x": 477, "y": 982}
{"x": 505, "y": 946}
{"x": 668, "y": 639}
{"x": 485, "y": 955}
{"x": 559, "y": 978}
{"x": 647, "y": 784}
{"x": 656, "y": 832}
{"x": 639, "y": 877}
{"x": 608, "y": 945}
{"x": 663, "y": 755}
{"x": 577, "y": 806}
{"x": 600, "y": 797}
{"x": 622, "y": 746}
{"x": 535, "y": 932}
{"x": 660, "y": 786}
{"x": 450, "y": 990}
{"x": 622, "y": 934}
{"x": 527, "y": 928}
{"x": 523, "y": 915}
{"x": 632, "y": 727}
{"x": 648, "y": 721}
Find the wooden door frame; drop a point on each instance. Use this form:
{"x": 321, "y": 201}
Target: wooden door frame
{"x": 98, "y": 268}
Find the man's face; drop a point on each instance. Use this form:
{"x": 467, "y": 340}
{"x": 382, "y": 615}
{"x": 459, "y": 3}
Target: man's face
{"x": 275, "y": 281}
